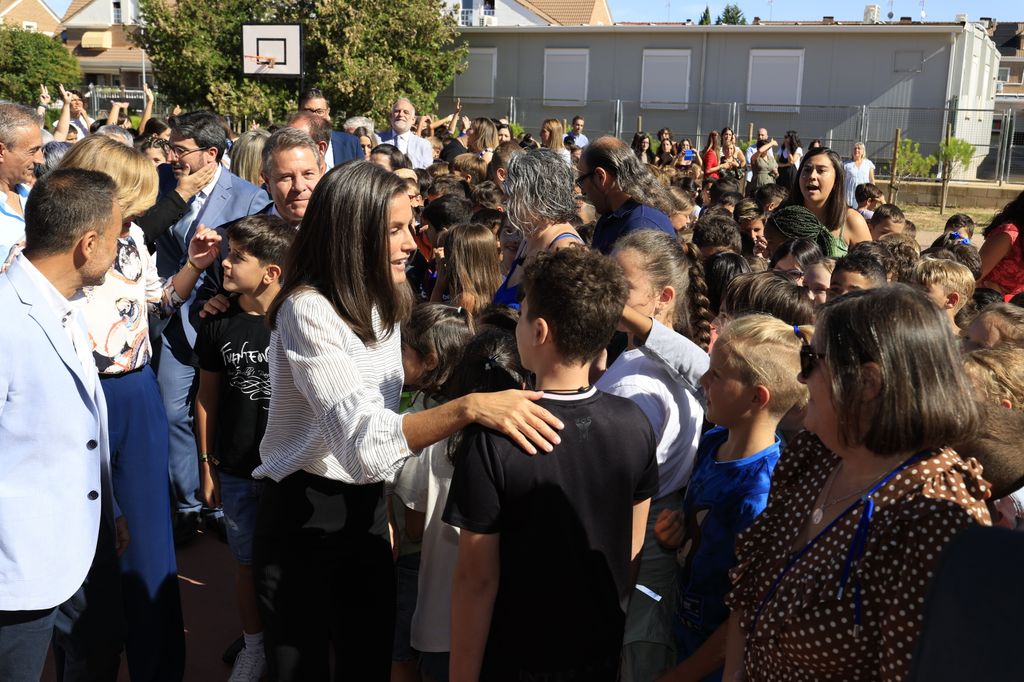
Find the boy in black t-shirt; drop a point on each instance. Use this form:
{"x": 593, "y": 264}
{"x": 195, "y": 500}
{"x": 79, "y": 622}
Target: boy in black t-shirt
{"x": 549, "y": 543}
{"x": 232, "y": 404}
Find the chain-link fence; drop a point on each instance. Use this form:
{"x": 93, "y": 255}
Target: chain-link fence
{"x": 991, "y": 132}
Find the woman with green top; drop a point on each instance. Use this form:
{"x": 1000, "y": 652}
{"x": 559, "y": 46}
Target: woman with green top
{"x": 819, "y": 188}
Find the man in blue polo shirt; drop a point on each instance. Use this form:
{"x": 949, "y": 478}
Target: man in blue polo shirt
{"x": 20, "y": 145}
{"x": 624, "y": 192}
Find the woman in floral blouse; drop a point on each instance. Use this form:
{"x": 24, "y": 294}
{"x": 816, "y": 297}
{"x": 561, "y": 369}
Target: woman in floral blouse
{"x": 831, "y": 578}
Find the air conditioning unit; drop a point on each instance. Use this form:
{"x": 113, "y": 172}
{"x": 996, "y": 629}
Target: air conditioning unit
{"x": 488, "y": 20}
{"x": 872, "y": 14}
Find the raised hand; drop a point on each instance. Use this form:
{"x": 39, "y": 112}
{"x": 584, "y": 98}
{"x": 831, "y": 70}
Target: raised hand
{"x": 44, "y": 96}
{"x": 176, "y": 111}
{"x": 204, "y": 248}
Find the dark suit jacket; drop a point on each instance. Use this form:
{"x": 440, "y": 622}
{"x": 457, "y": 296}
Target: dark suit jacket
{"x": 972, "y": 612}
{"x": 345, "y": 147}
{"x": 231, "y": 198}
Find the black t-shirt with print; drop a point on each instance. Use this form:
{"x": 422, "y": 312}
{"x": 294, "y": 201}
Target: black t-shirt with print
{"x": 565, "y": 521}
{"x": 235, "y": 345}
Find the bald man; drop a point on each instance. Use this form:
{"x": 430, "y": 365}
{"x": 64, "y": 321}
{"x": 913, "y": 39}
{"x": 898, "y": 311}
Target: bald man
{"x": 402, "y": 136}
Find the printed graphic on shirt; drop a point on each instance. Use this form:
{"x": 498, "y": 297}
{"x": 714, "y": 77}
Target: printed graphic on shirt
{"x": 125, "y": 343}
{"x": 247, "y": 371}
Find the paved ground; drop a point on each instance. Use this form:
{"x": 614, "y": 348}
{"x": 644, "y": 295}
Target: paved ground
{"x": 207, "y": 582}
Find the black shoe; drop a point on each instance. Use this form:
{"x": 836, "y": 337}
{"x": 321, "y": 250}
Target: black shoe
{"x": 216, "y": 524}
{"x": 231, "y": 653}
{"x": 185, "y": 527}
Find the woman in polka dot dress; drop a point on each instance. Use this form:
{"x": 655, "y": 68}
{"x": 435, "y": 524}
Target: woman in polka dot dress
{"x": 831, "y": 578}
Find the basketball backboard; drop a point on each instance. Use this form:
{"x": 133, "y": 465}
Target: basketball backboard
{"x": 272, "y": 50}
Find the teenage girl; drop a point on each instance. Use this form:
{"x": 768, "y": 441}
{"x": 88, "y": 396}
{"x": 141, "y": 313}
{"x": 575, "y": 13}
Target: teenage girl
{"x": 657, "y": 269}
{"x": 819, "y": 189}
{"x": 432, "y": 343}
{"x": 489, "y": 362}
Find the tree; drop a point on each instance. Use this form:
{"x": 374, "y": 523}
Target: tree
{"x": 28, "y": 60}
{"x": 954, "y": 155}
{"x": 731, "y": 14}
{"x": 909, "y": 164}
{"x": 705, "y": 19}
{"x": 361, "y": 53}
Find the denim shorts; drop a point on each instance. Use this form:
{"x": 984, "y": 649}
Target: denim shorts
{"x": 240, "y": 498}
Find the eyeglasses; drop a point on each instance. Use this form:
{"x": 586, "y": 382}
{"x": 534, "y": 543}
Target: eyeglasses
{"x": 583, "y": 178}
{"x": 809, "y": 360}
{"x": 182, "y": 151}
{"x": 319, "y": 112}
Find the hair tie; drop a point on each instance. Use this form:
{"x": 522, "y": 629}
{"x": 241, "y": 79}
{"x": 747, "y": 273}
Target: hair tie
{"x": 796, "y": 330}
{"x": 458, "y": 311}
{"x": 959, "y": 238}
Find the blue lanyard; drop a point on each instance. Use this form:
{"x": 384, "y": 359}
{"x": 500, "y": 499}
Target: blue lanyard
{"x": 856, "y": 551}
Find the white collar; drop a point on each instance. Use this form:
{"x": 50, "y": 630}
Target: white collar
{"x": 60, "y": 306}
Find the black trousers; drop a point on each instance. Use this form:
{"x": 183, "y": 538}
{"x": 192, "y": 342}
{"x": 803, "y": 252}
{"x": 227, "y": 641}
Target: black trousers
{"x": 325, "y": 578}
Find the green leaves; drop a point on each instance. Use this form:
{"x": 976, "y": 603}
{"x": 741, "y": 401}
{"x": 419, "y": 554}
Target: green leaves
{"x": 28, "y": 60}
{"x": 910, "y": 163}
{"x": 731, "y": 14}
{"x": 361, "y": 53}
{"x": 956, "y": 153}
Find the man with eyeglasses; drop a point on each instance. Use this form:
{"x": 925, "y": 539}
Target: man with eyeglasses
{"x": 342, "y": 146}
{"x": 197, "y": 144}
{"x": 402, "y": 136}
{"x": 623, "y": 192}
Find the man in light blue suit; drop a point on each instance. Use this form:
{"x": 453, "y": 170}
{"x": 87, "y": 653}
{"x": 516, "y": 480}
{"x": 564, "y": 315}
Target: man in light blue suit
{"x": 402, "y": 136}
{"x": 58, "y": 534}
{"x": 197, "y": 141}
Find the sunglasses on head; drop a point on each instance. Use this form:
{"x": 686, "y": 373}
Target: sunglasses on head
{"x": 809, "y": 360}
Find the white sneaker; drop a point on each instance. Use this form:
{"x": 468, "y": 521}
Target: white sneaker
{"x": 250, "y": 665}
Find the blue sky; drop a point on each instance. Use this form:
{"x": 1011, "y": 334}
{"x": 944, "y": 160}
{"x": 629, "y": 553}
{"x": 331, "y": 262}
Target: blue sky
{"x": 681, "y": 10}
{"x": 780, "y": 10}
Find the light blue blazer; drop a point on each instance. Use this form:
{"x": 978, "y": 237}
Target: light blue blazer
{"x": 54, "y": 453}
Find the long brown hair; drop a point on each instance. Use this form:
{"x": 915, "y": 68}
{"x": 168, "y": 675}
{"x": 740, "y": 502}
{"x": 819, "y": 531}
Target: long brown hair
{"x": 473, "y": 264}
{"x": 342, "y": 250}
{"x": 835, "y": 205}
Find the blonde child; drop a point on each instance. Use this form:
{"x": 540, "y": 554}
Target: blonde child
{"x": 949, "y": 284}
{"x": 997, "y": 325}
{"x": 750, "y": 386}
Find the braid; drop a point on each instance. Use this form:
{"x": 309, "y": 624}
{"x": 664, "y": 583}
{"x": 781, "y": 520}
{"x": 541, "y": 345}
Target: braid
{"x": 699, "y": 305}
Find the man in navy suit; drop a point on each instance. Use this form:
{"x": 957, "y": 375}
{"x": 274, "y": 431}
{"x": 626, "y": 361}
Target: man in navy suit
{"x": 58, "y": 568}
{"x": 402, "y": 136}
{"x": 342, "y": 146}
{"x": 197, "y": 141}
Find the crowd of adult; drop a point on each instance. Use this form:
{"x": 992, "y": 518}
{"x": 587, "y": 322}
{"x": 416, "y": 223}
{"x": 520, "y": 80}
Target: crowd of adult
{"x": 449, "y": 392}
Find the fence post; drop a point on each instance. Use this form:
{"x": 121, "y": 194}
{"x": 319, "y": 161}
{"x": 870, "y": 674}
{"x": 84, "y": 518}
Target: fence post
{"x": 893, "y": 181}
{"x": 946, "y": 170}
{"x": 617, "y": 116}
{"x": 512, "y": 109}
{"x": 864, "y": 125}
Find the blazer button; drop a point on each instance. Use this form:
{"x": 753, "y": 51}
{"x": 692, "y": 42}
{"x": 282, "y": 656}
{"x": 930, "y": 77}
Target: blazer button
{"x": 93, "y": 495}
{"x": 91, "y": 445}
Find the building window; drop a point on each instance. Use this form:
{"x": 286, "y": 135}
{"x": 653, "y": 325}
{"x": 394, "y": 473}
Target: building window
{"x": 908, "y": 61}
{"x": 775, "y": 80}
{"x": 117, "y": 13}
{"x": 566, "y": 71}
{"x": 29, "y": 26}
{"x": 1004, "y": 75}
{"x": 476, "y": 83}
{"x": 665, "y": 79}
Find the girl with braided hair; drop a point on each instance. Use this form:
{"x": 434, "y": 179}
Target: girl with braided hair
{"x": 819, "y": 188}
{"x": 658, "y": 271}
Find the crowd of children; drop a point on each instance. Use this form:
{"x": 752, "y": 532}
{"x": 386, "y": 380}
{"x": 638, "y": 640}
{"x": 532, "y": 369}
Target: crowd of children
{"x": 609, "y": 558}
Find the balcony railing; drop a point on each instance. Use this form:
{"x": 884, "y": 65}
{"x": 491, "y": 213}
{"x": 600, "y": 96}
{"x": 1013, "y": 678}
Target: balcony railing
{"x": 481, "y": 16}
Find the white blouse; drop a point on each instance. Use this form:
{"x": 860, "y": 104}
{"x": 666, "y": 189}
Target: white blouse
{"x": 334, "y": 400}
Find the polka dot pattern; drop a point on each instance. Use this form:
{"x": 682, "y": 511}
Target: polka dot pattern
{"x": 806, "y": 631}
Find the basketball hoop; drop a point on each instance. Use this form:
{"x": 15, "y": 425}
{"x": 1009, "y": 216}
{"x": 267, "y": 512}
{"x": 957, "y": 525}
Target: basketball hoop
{"x": 262, "y": 60}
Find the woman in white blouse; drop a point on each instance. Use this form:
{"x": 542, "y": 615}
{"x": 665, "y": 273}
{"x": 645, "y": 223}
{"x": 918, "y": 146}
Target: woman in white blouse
{"x": 117, "y": 317}
{"x": 858, "y": 171}
{"x": 321, "y": 556}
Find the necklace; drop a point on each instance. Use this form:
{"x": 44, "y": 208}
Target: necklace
{"x": 819, "y": 511}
